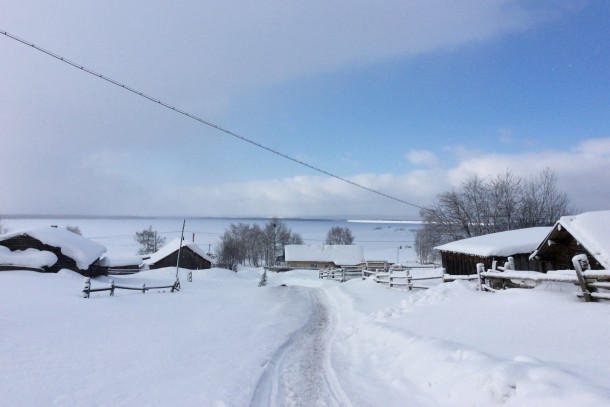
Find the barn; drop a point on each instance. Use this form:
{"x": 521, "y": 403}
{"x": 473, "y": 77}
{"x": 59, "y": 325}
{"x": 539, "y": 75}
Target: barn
{"x": 461, "y": 257}
{"x": 192, "y": 257}
{"x": 317, "y": 257}
{"x": 50, "y": 249}
{"x": 587, "y": 233}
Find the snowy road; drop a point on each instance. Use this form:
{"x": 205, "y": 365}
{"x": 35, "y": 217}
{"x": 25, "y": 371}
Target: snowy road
{"x": 300, "y": 373}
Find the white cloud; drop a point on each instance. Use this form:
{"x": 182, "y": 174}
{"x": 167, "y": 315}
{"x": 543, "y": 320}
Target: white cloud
{"x": 422, "y": 157}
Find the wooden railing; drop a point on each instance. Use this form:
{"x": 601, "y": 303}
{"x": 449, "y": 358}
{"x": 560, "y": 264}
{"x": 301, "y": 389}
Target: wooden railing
{"x": 589, "y": 281}
{"x": 87, "y": 290}
{"x": 399, "y": 276}
{"x": 341, "y": 274}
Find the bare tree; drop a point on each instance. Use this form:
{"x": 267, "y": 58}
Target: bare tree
{"x": 277, "y": 235}
{"x": 339, "y": 235}
{"x": 228, "y": 251}
{"x": 542, "y": 204}
{"x": 149, "y": 241}
{"x": 245, "y": 244}
{"x": 483, "y": 206}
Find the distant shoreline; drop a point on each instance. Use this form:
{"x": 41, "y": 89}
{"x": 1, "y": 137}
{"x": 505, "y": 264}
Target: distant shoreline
{"x": 119, "y": 217}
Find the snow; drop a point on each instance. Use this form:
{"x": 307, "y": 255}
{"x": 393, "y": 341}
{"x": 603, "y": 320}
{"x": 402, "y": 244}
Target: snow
{"x": 172, "y": 247}
{"x": 81, "y": 250}
{"x": 592, "y": 230}
{"x": 120, "y": 260}
{"x": 26, "y": 258}
{"x": 499, "y": 244}
{"x": 341, "y": 255}
{"x": 224, "y": 341}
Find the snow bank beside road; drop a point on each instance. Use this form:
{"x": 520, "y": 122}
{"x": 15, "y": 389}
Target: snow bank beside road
{"x": 453, "y": 345}
{"x": 205, "y": 345}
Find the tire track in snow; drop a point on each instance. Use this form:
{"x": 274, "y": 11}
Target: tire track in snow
{"x": 300, "y": 372}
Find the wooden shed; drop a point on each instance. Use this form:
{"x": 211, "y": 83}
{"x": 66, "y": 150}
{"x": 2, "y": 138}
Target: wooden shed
{"x": 587, "y": 233}
{"x": 192, "y": 257}
{"x": 68, "y": 250}
{"x": 317, "y": 257}
{"x": 461, "y": 257}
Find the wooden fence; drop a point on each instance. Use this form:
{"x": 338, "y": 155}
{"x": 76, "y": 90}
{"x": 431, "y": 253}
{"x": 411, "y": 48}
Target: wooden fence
{"x": 87, "y": 290}
{"x": 395, "y": 276}
{"x": 399, "y": 276}
{"x": 589, "y": 281}
{"x": 341, "y": 274}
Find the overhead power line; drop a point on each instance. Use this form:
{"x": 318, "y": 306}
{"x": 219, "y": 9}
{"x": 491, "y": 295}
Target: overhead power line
{"x": 207, "y": 123}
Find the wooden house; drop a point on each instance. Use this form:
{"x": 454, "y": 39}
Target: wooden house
{"x": 118, "y": 265}
{"x": 51, "y": 249}
{"x": 461, "y": 257}
{"x": 318, "y": 257}
{"x": 587, "y": 233}
{"x": 192, "y": 257}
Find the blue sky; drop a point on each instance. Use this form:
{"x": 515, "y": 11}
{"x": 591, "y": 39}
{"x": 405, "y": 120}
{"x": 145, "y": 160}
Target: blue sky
{"x": 407, "y": 97}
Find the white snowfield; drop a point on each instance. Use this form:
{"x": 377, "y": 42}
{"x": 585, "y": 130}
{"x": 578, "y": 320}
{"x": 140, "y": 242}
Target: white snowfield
{"x": 223, "y": 341}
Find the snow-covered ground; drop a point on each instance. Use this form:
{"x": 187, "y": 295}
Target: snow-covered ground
{"x": 223, "y": 341}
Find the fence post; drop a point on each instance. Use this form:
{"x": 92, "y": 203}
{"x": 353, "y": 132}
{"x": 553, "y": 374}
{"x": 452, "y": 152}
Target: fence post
{"x": 390, "y": 277}
{"x": 112, "y": 288}
{"x": 409, "y": 281}
{"x": 190, "y": 277}
{"x": 377, "y": 275}
{"x": 87, "y": 287}
{"x": 581, "y": 263}
{"x": 480, "y": 268}
{"x": 343, "y": 274}
{"x": 143, "y": 288}
{"x": 176, "y": 286}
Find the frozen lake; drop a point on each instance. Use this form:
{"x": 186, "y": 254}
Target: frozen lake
{"x": 381, "y": 240}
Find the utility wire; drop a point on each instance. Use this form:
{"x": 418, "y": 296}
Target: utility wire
{"x": 207, "y": 123}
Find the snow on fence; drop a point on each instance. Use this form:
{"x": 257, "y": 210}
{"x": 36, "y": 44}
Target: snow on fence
{"x": 87, "y": 290}
{"x": 398, "y": 276}
{"x": 341, "y": 274}
{"x": 589, "y": 281}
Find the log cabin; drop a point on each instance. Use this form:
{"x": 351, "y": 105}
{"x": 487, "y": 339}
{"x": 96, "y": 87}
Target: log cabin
{"x": 192, "y": 256}
{"x": 587, "y": 233}
{"x": 70, "y": 250}
{"x": 461, "y": 257}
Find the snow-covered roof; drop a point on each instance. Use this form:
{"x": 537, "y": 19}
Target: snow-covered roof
{"x": 499, "y": 244}
{"x": 592, "y": 231}
{"x": 83, "y": 251}
{"x": 26, "y": 258}
{"x": 110, "y": 260}
{"x": 173, "y": 246}
{"x": 341, "y": 255}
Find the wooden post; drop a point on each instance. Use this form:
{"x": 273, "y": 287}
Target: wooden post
{"x": 580, "y": 262}
{"x": 143, "y": 288}
{"x": 377, "y": 275}
{"x": 112, "y": 288}
{"x": 190, "y": 277}
{"x": 87, "y": 287}
{"x": 390, "y": 277}
{"x": 511, "y": 263}
{"x": 480, "y": 269}
{"x": 343, "y": 275}
{"x": 409, "y": 281}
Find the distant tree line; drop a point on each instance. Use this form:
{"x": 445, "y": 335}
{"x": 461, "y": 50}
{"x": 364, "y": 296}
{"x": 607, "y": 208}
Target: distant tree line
{"x": 254, "y": 245}
{"x": 489, "y": 205}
